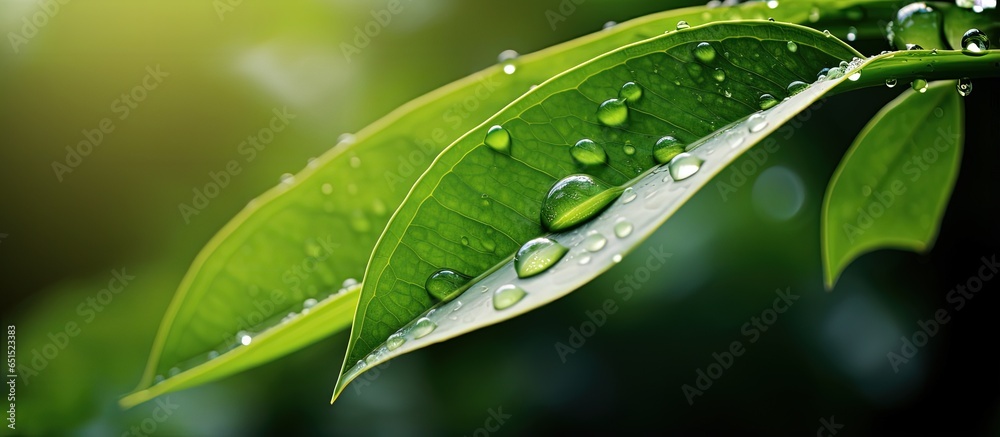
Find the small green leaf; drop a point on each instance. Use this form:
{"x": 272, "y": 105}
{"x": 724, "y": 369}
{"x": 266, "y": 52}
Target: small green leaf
{"x": 892, "y": 187}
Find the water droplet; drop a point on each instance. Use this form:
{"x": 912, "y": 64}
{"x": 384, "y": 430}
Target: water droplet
{"x": 631, "y": 92}
{"x": 507, "y": 295}
{"x": 617, "y": 258}
{"x": 796, "y": 87}
{"x": 537, "y": 256}
{"x": 756, "y": 122}
{"x": 584, "y": 260}
{"x": 287, "y": 178}
{"x": 683, "y": 166}
{"x": 814, "y": 15}
{"x": 891, "y": 82}
{"x": 681, "y": 25}
{"x": 916, "y": 23}
{"x": 852, "y": 33}
{"x": 628, "y": 195}
{"x": 767, "y": 101}
{"x": 667, "y": 148}
{"x": 613, "y": 112}
{"x": 213, "y": 355}
{"x": 609, "y": 25}
{"x": 854, "y": 76}
{"x": 975, "y": 42}
{"x": 309, "y": 303}
{"x": 349, "y": 282}
{"x": 346, "y": 138}
{"x": 498, "y": 139}
{"x": 465, "y": 241}
{"x": 719, "y": 75}
{"x": 244, "y": 338}
{"x": 574, "y": 200}
{"x": 914, "y": 47}
{"x": 827, "y": 33}
{"x": 174, "y": 371}
{"x": 587, "y": 152}
{"x": 628, "y": 149}
{"x": 395, "y": 341}
{"x": 727, "y": 93}
{"x": 422, "y": 327}
{"x": 443, "y": 283}
{"x": 964, "y": 86}
{"x": 792, "y": 47}
{"x": 485, "y": 202}
{"x": 919, "y": 85}
{"x": 327, "y": 188}
{"x": 704, "y": 52}
{"x": 822, "y": 73}
{"x": 623, "y": 228}
{"x": 594, "y": 241}
{"x": 772, "y": 4}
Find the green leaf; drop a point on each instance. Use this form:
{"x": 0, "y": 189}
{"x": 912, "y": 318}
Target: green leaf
{"x": 475, "y": 206}
{"x": 892, "y": 187}
{"x": 264, "y": 263}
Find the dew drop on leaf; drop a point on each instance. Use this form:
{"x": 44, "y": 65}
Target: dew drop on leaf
{"x": 681, "y": 25}
{"x": 891, "y": 82}
{"x": 442, "y": 283}
{"x": 667, "y": 148}
{"x": 796, "y": 87}
{"x": 683, "y": 166}
{"x": 537, "y": 256}
{"x": 587, "y": 152}
{"x": 630, "y": 92}
{"x": 506, "y": 296}
{"x": 975, "y": 42}
{"x": 756, "y": 122}
{"x": 719, "y": 75}
{"x": 919, "y": 85}
{"x": 704, "y": 52}
{"x": 497, "y": 138}
{"x": 767, "y": 101}
{"x": 422, "y": 327}
{"x": 395, "y": 341}
{"x": 612, "y": 112}
{"x": 792, "y": 47}
{"x": 623, "y": 228}
{"x": 594, "y": 241}
{"x": 574, "y": 200}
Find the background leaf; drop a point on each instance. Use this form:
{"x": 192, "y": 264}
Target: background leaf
{"x": 892, "y": 187}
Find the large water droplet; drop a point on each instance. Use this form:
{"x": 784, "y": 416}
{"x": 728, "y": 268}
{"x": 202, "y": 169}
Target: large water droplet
{"x": 681, "y": 25}
{"x": 975, "y": 42}
{"x": 628, "y": 195}
{"x": 594, "y": 241}
{"x": 574, "y": 200}
{"x": 916, "y": 23}
{"x": 756, "y": 122}
{"x": 964, "y": 86}
{"x": 498, "y": 139}
{"x": 631, "y": 92}
{"x": 667, "y": 148}
{"x": 613, "y": 112}
{"x": 704, "y": 52}
{"x": 792, "y": 47}
{"x": 796, "y": 87}
{"x": 628, "y": 148}
{"x": 854, "y": 76}
{"x": 537, "y": 256}
{"x": 587, "y": 152}
{"x": 422, "y": 327}
{"x": 443, "y": 283}
{"x": 623, "y": 228}
{"x": 683, "y": 166}
{"x": 891, "y": 82}
{"x": 507, "y": 295}
{"x": 767, "y": 101}
{"x": 919, "y": 85}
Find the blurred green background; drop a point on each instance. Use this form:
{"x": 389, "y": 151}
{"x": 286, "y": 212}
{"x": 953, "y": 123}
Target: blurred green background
{"x": 228, "y": 64}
